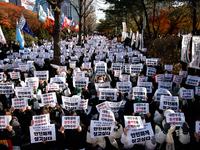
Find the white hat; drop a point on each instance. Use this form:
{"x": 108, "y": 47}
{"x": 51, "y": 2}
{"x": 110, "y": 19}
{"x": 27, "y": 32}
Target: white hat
{"x": 168, "y": 111}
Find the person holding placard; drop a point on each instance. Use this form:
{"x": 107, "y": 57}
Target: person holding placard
{"x": 36, "y": 98}
{"x": 171, "y": 137}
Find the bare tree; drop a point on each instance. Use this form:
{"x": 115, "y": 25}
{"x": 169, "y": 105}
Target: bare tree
{"x": 81, "y": 8}
{"x": 91, "y": 22}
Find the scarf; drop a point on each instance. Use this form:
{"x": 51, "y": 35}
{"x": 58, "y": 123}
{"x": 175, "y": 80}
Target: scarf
{"x": 169, "y": 139}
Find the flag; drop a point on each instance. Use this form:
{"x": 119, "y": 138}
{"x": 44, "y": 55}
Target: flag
{"x": 28, "y": 4}
{"x": 62, "y": 20}
{"x": 77, "y": 28}
{"x": 65, "y": 22}
{"x": 73, "y": 24}
{"x": 23, "y": 25}
{"x": 20, "y": 38}
{"x": 50, "y": 16}
{"x": 69, "y": 22}
{"x": 2, "y": 38}
{"x": 41, "y": 15}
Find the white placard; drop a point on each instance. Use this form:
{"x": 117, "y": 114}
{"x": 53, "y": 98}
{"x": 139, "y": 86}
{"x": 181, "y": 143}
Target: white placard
{"x": 24, "y": 92}
{"x": 52, "y": 87}
{"x": 133, "y": 122}
{"x": 106, "y": 115}
{"x": 160, "y": 92}
{"x": 103, "y": 105}
{"x": 197, "y": 90}
{"x": 1, "y": 76}
{"x": 168, "y": 77}
{"x": 70, "y": 122}
{"x": 71, "y": 103}
{"x": 195, "y": 62}
{"x": 151, "y": 62}
{"x": 101, "y": 128}
{"x": 177, "y": 79}
{"x": 14, "y": 75}
{"x": 79, "y": 74}
{"x": 114, "y": 106}
{"x": 142, "y": 79}
{"x": 116, "y": 66}
{"x": 6, "y": 88}
{"x": 139, "y": 92}
{"x": 42, "y": 133}
{"x": 140, "y": 135}
{"x": 147, "y": 85}
{"x": 141, "y": 107}
{"x": 124, "y": 87}
{"x": 117, "y": 73}
{"x": 197, "y": 127}
{"x": 80, "y": 81}
{"x": 49, "y": 98}
{"x": 192, "y": 80}
{"x": 100, "y": 68}
{"x": 32, "y": 81}
{"x": 125, "y": 78}
{"x": 102, "y": 85}
{"x": 106, "y": 92}
{"x": 24, "y": 67}
{"x": 41, "y": 120}
{"x": 86, "y": 65}
{"x": 83, "y": 104}
{"x": 183, "y": 73}
{"x": 169, "y": 102}
{"x": 62, "y": 68}
{"x": 59, "y": 80}
{"x": 19, "y": 103}
{"x": 4, "y": 121}
{"x": 159, "y": 78}
{"x": 185, "y": 48}
{"x": 187, "y": 93}
{"x": 175, "y": 119}
{"x": 150, "y": 71}
{"x": 165, "y": 85}
{"x": 169, "y": 67}
{"x": 42, "y": 75}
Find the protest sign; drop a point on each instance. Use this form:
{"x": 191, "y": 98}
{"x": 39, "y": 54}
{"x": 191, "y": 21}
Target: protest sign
{"x": 1, "y": 76}
{"x": 52, "y": 87}
{"x": 150, "y": 71}
{"x": 159, "y": 77}
{"x": 106, "y": 92}
{"x": 177, "y": 79}
{"x": 106, "y": 115}
{"x": 165, "y": 85}
{"x": 151, "y": 62}
{"x": 147, "y": 85}
{"x": 142, "y": 79}
{"x": 72, "y": 64}
{"x": 197, "y": 127}
{"x": 4, "y": 121}
{"x": 169, "y": 102}
{"x": 49, "y": 98}
{"x": 32, "y": 82}
{"x": 169, "y": 67}
{"x": 183, "y": 73}
{"x": 42, "y": 75}
{"x": 114, "y": 106}
{"x": 24, "y": 92}
{"x": 42, "y": 133}
{"x": 101, "y": 128}
{"x": 197, "y": 90}
{"x": 86, "y": 65}
{"x": 136, "y": 68}
{"x": 100, "y": 68}
{"x": 41, "y": 120}
{"x": 80, "y": 81}
{"x": 168, "y": 77}
{"x": 187, "y": 93}
{"x": 125, "y": 78}
{"x": 126, "y": 68}
{"x": 192, "y": 80}
{"x": 139, "y": 92}
{"x": 59, "y": 80}
{"x": 14, "y": 75}
{"x": 116, "y": 66}
{"x": 71, "y": 103}
{"x": 62, "y": 68}
{"x": 6, "y": 88}
{"x": 124, "y": 87}
{"x": 141, "y": 107}
{"x": 133, "y": 122}
{"x": 24, "y": 68}
{"x": 160, "y": 92}
{"x": 175, "y": 119}
{"x": 117, "y": 73}
{"x": 19, "y": 103}
{"x": 79, "y": 74}
{"x": 140, "y": 135}
{"x": 102, "y": 85}
{"x": 103, "y": 105}
{"x": 70, "y": 122}
{"x": 83, "y": 104}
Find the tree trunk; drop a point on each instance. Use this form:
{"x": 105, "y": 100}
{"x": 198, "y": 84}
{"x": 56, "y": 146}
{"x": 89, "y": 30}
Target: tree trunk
{"x": 147, "y": 19}
{"x": 137, "y": 24}
{"x": 154, "y": 10}
{"x": 80, "y": 24}
{"x": 194, "y": 32}
{"x": 84, "y": 28}
{"x": 56, "y": 34}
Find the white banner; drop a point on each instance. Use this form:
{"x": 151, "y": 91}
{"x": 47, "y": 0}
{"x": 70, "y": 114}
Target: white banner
{"x": 195, "y": 63}
{"x": 185, "y": 48}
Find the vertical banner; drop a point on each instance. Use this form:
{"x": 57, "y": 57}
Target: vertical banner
{"x": 195, "y": 62}
{"x": 185, "y": 48}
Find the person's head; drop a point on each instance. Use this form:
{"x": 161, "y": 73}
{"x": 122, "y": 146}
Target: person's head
{"x": 44, "y": 111}
{"x": 8, "y": 113}
{"x": 41, "y": 82}
{"x": 167, "y": 111}
{"x": 100, "y": 79}
{"x": 72, "y": 113}
{"x": 78, "y": 91}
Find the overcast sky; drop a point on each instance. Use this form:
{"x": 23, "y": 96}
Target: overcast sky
{"x": 100, "y": 5}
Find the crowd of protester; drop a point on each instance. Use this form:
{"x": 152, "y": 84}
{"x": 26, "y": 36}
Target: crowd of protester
{"x": 165, "y": 136}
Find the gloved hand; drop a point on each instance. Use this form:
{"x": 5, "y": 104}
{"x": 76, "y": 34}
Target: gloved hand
{"x": 166, "y": 128}
{"x": 185, "y": 128}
